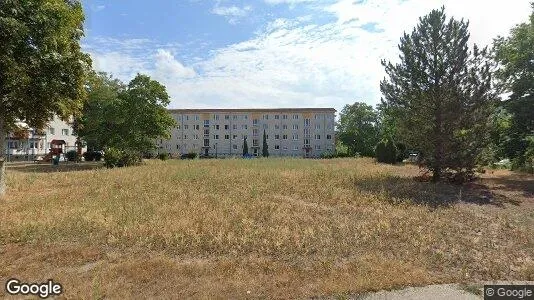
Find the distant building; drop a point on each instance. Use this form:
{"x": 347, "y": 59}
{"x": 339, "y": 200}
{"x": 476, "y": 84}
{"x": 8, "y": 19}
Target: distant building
{"x": 302, "y": 132}
{"x": 28, "y": 143}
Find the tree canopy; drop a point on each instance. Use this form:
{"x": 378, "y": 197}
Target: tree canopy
{"x": 358, "y": 128}
{"x": 42, "y": 69}
{"x": 125, "y": 117}
{"x": 441, "y": 93}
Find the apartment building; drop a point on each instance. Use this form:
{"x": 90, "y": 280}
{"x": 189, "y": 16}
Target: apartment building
{"x": 299, "y": 132}
{"x": 28, "y": 143}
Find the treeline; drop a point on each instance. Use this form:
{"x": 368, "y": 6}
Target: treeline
{"x": 457, "y": 107}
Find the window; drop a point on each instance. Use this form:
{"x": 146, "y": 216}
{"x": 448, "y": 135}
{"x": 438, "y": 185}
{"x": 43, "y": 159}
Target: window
{"x": 276, "y": 136}
{"x": 244, "y": 126}
{"x": 307, "y": 142}
{"x": 186, "y": 127}
{"x": 255, "y": 143}
{"x": 265, "y": 126}
{"x": 177, "y": 126}
{"x": 245, "y": 117}
{"x": 317, "y": 147}
{"x": 295, "y": 126}
{"x": 295, "y": 136}
{"x": 206, "y": 132}
{"x": 15, "y": 144}
{"x": 276, "y": 126}
{"x": 284, "y": 126}
{"x": 295, "y": 117}
{"x": 317, "y": 136}
{"x": 185, "y": 136}
{"x": 197, "y": 118}
{"x": 195, "y": 136}
{"x": 284, "y": 137}
{"x": 284, "y": 117}
{"x": 254, "y": 132}
{"x": 52, "y": 130}
{"x": 234, "y": 117}
{"x": 234, "y": 137}
{"x": 226, "y": 127}
{"x": 234, "y": 126}
{"x": 245, "y": 136}
{"x": 206, "y": 142}
{"x": 285, "y": 147}
{"x": 177, "y": 147}
{"x": 187, "y": 118}
{"x": 255, "y": 122}
{"x": 295, "y": 148}
{"x": 317, "y": 126}
{"x": 206, "y": 123}
{"x": 317, "y": 117}
{"x": 227, "y": 117}
{"x": 276, "y": 117}
{"x": 328, "y": 137}
{"x": 234, "y": 147}
{"x": 306, "y": 122}
{"x": 216, "y": 136}
{"x": 276, "y": 147}
{"x": 197, "y": 127}
{"x": 64, "y": 131}
{"x": 216, "y": 127}
{"x": 307, "y": 132}
{"x": 226, "y": 136}
{"x": 215, "y": 117}
{"x": 266, "y": 117}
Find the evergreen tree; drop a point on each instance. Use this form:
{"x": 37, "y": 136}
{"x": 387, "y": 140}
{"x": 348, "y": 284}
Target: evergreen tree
{"x": 265, "y": 150}
{"x": 443, "y": 94}
{"x": 245, "y": 147}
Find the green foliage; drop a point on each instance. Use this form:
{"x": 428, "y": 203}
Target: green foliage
{"x": 515, "y": 55}
{"x": 163, "y": 156}
{"x": 190, "y": 155}
{"x": 245, "y": 147}
{"x": 265, "y": 148}
{"x": 72, "y": 155}
{"x": 441, "y": 95}
{"x": 92, "y": 156}
{"x": 125, "y": 117}
{"x": 121, "y": 158}
{"x": 386, "y": 152}
{"x": 401, "y": 152}
{"x": 358, "y": 128}
{"x": 42, "y": 67}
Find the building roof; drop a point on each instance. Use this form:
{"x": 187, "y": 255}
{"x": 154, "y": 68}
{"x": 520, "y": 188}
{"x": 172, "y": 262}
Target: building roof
{"x": 253, "y": 110}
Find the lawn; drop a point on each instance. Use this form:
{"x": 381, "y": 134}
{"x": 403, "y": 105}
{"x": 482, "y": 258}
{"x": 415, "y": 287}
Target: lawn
{"x": 262, "y": 228}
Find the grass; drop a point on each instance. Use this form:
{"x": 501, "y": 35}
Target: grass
{"x": 276, "y": 228}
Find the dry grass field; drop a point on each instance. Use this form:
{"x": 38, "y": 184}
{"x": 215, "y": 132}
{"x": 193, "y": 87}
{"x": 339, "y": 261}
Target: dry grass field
{"x": 260, "y": 228}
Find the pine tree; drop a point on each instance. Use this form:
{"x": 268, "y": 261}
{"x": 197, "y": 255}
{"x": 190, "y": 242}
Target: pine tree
{"x": 265, "y": 150}
{"x": 442, "y": 93}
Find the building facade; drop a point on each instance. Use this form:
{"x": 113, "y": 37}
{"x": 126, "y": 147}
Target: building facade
{"x": 28, "y": 144}
{"x": 299, "y": 132}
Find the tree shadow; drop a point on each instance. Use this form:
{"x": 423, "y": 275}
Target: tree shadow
{"x": 407, "y": 190}
{"x": 49, "y": 168}
{"x": 522, "y": 184}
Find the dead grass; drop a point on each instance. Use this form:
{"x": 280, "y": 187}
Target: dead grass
{"x": 261, "y": 229}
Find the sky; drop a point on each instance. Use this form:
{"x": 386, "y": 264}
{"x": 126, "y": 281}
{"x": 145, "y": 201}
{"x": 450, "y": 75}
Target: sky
{"x": 270, "y": 53}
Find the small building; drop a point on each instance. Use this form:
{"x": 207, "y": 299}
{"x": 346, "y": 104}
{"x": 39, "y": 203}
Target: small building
{"x": 27, "y": 143}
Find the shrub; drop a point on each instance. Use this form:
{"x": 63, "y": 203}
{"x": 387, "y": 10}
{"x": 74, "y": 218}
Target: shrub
{"x": 380, "y": 153}
{"x": 72, "y": 155}
{"x": 163, "y": 156}
{"x": 190, "y": 155}
{"x": 121, "y": 158}
{"x": 386, "y": 152}
{"x": 89, "y": 156}
{"x": 401, "y": 152}
{"x": 97, "y": 155}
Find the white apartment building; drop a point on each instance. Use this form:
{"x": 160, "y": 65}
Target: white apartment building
{"x": 33, "y": 144}
{"x": 300, "y": 132}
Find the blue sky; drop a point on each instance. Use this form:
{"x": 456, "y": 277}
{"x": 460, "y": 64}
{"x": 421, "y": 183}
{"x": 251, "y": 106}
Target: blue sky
{"x": 269, "y": 53}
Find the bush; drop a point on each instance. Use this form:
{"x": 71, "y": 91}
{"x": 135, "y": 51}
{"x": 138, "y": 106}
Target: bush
{"x": 92, "y": 156}
{"x": 386, "y": 152}
{"x": 121, "y": 158}
{"x": 163, "y": 156}
{"x": 72, "y": 155}
{"x": 401, "y": 152}
{"x": 190, "y": 155}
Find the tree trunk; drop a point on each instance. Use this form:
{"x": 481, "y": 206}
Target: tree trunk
{"x": 3, "y": 134}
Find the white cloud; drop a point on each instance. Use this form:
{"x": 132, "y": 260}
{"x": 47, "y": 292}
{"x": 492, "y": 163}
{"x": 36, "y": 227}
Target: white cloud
{"x": 290, "y": 63}
{"x": 232, "y": 13}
